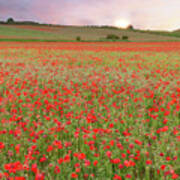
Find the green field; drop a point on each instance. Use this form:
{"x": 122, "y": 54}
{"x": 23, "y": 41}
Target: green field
{"x": 69, "y": 33}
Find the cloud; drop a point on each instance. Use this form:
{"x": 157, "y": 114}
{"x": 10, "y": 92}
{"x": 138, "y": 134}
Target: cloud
{"x": 153, "y": 14}
{"x": 19, "y": 9}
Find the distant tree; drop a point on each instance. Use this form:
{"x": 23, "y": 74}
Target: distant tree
{"x": 78, "y": 38}
{"x": 109, "y": 27}
{"x": 2, "y": 22}
{"x": 125, "y": 37}
{"x": 130, "y": 27}
{"x": 112, "y": 37}
{"x": 10, "y": 21}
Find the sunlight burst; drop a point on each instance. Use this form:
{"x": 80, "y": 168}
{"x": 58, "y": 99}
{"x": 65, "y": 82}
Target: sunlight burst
{"x": 122, "y": 23}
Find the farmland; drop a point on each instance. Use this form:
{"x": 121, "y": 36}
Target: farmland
{"x": 69, "y": 33}
{"x": 90, "y": 110}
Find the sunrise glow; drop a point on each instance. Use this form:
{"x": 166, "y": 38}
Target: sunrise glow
{"x": 122, "y": 23}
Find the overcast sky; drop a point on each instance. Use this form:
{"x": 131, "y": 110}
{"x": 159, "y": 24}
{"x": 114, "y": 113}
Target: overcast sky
{"x": 144, "y": 14}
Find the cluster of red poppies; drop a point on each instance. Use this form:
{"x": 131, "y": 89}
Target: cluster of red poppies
{"x": 110, "y": 114}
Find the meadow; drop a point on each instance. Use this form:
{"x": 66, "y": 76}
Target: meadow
{"x": 89, "y": 111}
{"x": 70, "y": 33}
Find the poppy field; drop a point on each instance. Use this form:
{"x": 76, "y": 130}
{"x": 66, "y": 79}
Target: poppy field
{"x": 90, "y": 111}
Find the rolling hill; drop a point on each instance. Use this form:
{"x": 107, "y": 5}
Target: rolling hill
{"x": 69, "y": 33}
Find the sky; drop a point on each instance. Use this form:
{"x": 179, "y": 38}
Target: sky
{"x": 142, "y": 14}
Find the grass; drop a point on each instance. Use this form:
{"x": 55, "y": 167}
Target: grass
{"x": 69, "y": 33}
{"x": 34, "y": 40}
{"x": 53, "y": 40}
{"x": 162, "y": 33}
{"x": 92, "y": 114}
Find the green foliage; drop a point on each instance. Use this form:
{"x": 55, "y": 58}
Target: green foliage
{"x": 10, "y": 21}
{"x": 130, "y": 27}
{"x": 125, "y": 37}
{"x": 78, "y": 38}
{"x": 112, "y": 37}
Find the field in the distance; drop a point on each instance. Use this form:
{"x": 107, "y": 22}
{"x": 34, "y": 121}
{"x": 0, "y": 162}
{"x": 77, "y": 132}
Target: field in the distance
{"x": 69, "y": 33}
{"x": 89, "y": 111}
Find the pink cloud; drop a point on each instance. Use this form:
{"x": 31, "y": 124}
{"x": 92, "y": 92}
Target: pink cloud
{"x": 154, "y": 14}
